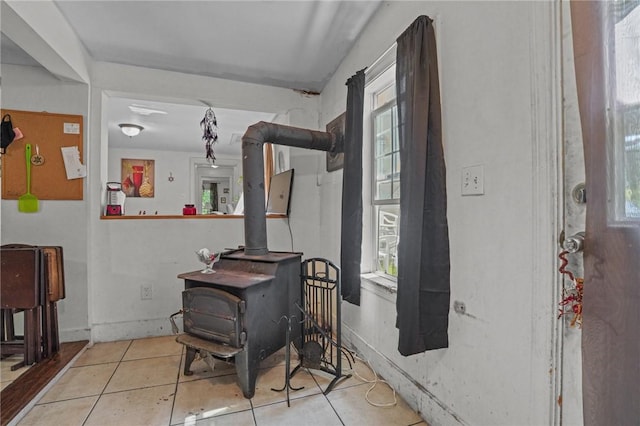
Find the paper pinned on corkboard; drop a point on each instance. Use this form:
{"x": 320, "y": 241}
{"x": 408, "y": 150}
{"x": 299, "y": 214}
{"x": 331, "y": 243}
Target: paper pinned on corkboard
{"x": 72, "y": 165}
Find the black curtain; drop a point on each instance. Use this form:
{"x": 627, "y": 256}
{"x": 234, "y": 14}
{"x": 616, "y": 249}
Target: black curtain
{"x": 351, "y": 236}
{"x": 423, "y": 249}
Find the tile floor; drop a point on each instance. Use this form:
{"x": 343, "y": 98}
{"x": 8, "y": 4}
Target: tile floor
{"x": 6, "y": 375}
{"x": 140, "y": 382}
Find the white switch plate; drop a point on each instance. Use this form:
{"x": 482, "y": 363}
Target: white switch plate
{"x": 473, "y": 180}
{"x": 146, "y": 292}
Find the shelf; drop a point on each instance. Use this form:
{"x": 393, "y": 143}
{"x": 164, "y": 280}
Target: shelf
{"x": 198, "y": 216}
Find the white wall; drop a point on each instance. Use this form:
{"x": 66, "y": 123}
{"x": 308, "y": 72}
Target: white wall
{"x": 107, "y": 261}
{"x": 126, "y": 254}
{"x": 492, "y": 59}
{"x": 62, "y": 223}
{"x": 497, "y": 368}
{"x": 169, "y": 196}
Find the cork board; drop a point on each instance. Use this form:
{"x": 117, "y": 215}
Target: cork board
{"x": 49, "y": 132}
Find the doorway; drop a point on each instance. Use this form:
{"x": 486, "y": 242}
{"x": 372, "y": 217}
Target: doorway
{"x": 214, "y": 196}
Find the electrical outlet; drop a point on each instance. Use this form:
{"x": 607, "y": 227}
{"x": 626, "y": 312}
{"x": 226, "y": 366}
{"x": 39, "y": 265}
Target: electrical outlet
{"x": 473, "y": 180}
{"x": 459, "y": 307}
{"x": 146, "y": 292}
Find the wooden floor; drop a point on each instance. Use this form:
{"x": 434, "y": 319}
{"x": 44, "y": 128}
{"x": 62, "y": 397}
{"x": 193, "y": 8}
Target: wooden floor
{"x": 19, "y": 393}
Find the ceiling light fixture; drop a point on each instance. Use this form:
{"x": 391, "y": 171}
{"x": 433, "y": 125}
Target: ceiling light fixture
{"x": 130, "y": 130}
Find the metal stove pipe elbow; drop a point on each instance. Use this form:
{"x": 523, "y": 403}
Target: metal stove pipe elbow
{"x": 255, "y": 223}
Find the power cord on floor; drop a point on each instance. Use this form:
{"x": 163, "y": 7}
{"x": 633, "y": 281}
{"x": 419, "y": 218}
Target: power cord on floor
{"x": 375, "y": 381}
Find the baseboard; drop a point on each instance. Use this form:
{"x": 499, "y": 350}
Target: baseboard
{"x": 126, "y": 330}
{"x": 75, "y": 334}
{"x": 430, "y": 408}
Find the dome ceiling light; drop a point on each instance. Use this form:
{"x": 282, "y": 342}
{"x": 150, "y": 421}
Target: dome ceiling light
{"x": 130, "y": 130}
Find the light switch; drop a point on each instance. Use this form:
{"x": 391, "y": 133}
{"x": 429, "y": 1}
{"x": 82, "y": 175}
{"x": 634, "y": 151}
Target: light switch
{"x": 473, "y": 180}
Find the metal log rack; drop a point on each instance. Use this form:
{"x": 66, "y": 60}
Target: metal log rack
{"x": 321, "y": 323}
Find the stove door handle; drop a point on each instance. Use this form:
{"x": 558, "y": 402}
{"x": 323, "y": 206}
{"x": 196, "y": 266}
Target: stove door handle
{"x": 174, "y": 327}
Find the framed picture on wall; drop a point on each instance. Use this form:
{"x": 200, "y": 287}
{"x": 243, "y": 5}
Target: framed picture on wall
{"x": 138, "y": 177}
{"x": 223, "y": 200}
{"x": 335, "y": 161}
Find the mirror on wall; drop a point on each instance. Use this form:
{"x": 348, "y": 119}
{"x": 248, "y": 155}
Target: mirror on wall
{"x": 170, "y": 138}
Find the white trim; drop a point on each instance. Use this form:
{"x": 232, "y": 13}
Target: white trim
{"x": 125, "y": 330}
{"x": 380, "y": 65}
{"x": 547, "y": 134}
{"x": 75, "y": 334}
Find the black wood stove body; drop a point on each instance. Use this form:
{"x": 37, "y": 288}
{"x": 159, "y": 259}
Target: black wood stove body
{"x": 236, "y": 313}
{"x": 243, "y": 311}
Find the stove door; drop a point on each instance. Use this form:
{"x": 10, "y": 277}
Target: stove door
{"x": 214, "y": 315}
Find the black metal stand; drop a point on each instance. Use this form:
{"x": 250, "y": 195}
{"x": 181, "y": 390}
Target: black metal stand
{"x": 322, "y": 324}
{"x": 287, "y": 376}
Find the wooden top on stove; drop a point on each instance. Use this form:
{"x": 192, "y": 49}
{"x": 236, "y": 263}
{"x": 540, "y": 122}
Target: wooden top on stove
{"x": 235, "y": 269}
{"x": 229, "y": 278}
{"x": 272, "y": 256}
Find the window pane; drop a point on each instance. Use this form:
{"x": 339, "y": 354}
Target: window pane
{"x": 209, "y": 201}
{"x": 627, "y": 102}
{"x": 396, "y": 138}
{"x": 396, "y": 165}
{"x": 395, "y": 189}
{"x": 383, "y": 167}
{"x": 387, "y": 237}
{"x": 386, "y": 155}
{"x": 206, "y": 201}
{"x": 383, "y": 131}
{"x": 383, "y": 190}
{"x": 631, "y": 125}
{"x": 384, "y": 96}
{"x": 384, "y": 173}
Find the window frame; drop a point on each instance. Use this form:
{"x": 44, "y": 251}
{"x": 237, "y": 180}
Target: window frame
{"x": 384, "y": 79}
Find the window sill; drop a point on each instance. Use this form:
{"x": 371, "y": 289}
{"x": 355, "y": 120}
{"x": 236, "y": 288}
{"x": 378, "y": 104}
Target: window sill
{"x": 379, "y": 285}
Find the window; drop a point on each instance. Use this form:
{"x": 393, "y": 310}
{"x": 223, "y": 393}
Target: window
{"x": 386, "y": 180}
{"x": 626, "y": 106}
{"x": 209, "y": 201}
{"x": 631, "y": 157}
{"x": 215, "y": 189}
{"x": 381, "y": 146}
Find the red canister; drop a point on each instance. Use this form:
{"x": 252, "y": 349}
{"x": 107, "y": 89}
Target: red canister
{"x": 189, "y": 209}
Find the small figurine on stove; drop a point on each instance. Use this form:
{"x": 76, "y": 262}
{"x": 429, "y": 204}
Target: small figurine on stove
{"x": 205, "y": 256}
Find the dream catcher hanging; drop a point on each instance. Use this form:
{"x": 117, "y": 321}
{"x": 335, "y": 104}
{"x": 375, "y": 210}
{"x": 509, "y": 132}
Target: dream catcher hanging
{"x": 209, "y": 126}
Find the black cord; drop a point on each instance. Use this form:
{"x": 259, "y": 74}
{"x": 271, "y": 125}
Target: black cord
{"x": 290, "y": 233}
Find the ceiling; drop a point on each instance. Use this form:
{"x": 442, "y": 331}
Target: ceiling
{"x": 178, "y": 125}
{"x": 289, "y": 44}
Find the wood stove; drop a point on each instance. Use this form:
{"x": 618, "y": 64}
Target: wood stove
{"x": 236, "y": 311}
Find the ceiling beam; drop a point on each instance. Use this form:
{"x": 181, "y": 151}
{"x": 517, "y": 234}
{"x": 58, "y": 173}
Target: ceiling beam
{"x": 39, "y": 29}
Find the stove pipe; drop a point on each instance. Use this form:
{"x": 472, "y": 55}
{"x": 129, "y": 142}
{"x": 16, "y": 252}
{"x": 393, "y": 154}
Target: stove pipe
{"x": 255, "y": 222}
